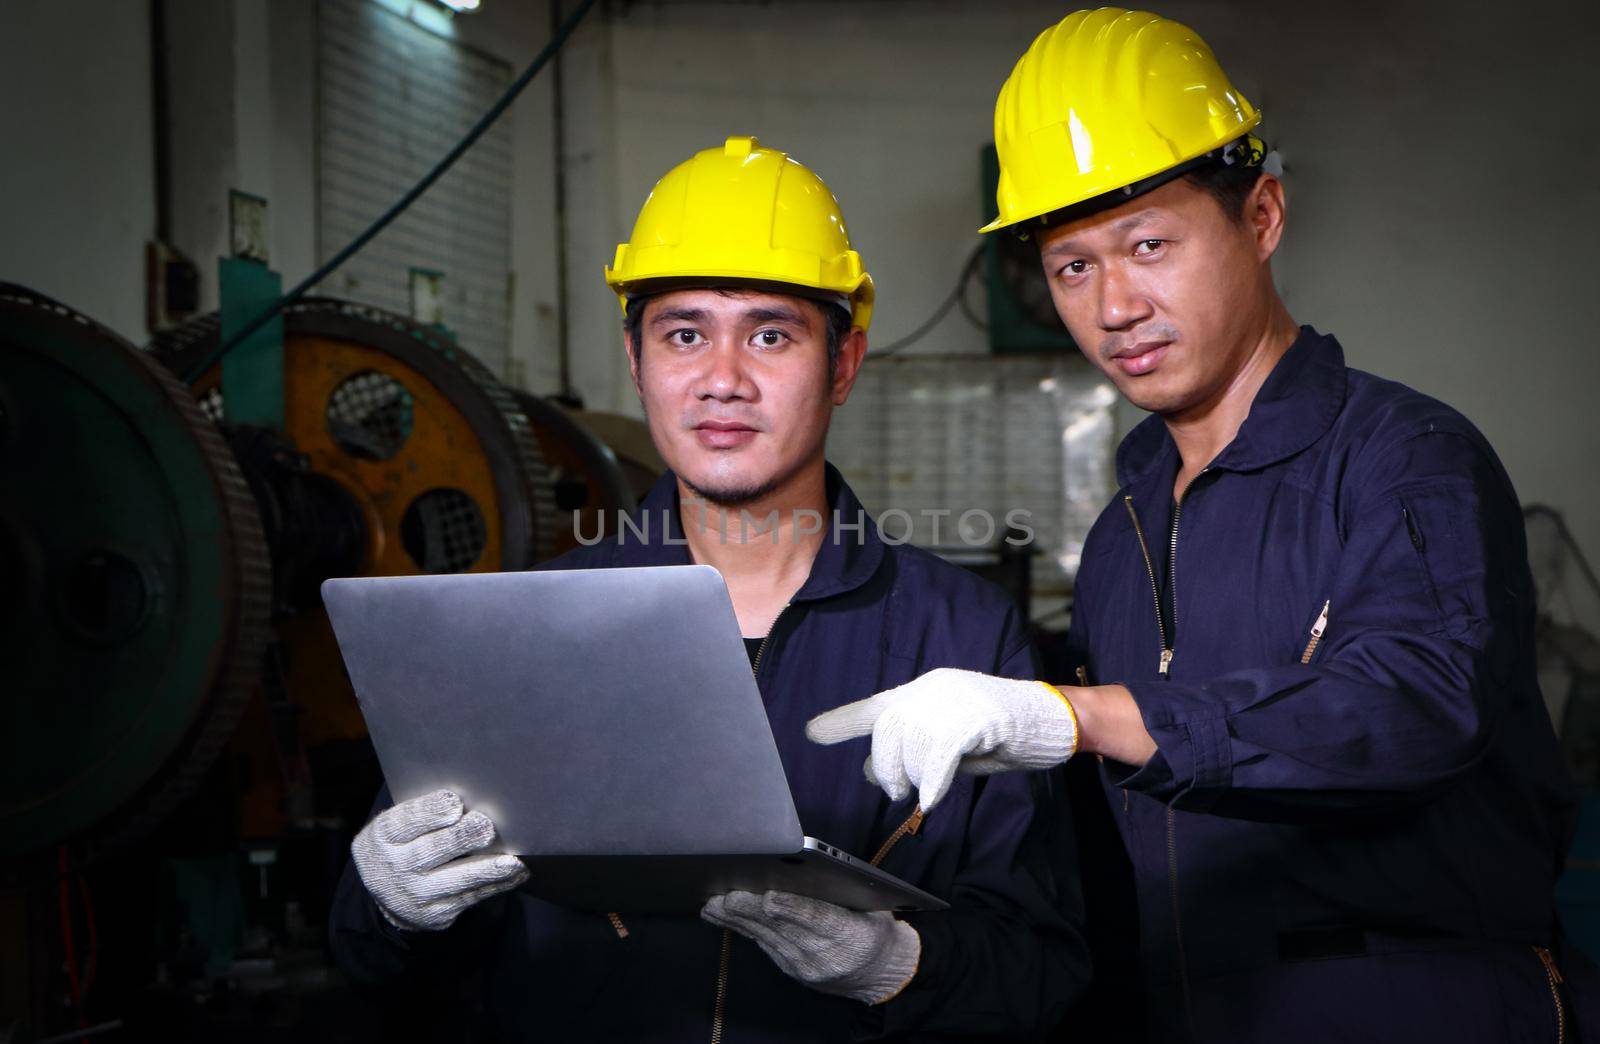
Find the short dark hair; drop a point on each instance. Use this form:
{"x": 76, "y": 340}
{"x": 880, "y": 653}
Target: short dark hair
{"x": 835, "y": 321}
{"x": 1229, "y": 186}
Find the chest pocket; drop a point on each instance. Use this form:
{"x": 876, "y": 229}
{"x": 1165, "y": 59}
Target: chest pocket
{"x": 1446, "y": 561}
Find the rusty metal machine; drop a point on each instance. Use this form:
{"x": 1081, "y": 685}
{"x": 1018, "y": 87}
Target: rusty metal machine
{"x": 399, "y": 453}
{"x": 137, "y": 580}
{"x": 162, "y": 561}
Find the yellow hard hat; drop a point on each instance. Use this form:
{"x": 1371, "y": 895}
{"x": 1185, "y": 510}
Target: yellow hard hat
{"x": 1108, "y": 100}
{"x": 743, "y": 213}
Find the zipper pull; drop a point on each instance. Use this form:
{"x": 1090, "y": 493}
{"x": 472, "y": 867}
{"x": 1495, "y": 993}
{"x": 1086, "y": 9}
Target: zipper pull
{"x": 1166, "y": 661}
{"x": 1317, "y": 630}
{"x": 1549, "y": 963}
{"x": 1412, "y": 530}
{"x": 915, "y": 822}
{"x": 1083, "y": 676}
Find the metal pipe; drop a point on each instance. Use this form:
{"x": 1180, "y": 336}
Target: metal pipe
{"x": 266, "y": 315}
{"x": 558, "y": 106}
{"x": 161, "y": 120}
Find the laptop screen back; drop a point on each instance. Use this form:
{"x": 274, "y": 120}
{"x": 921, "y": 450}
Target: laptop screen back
{"x": 587, "y": 712}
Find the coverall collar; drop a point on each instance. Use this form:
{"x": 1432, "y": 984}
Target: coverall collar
{"x": 850, "y": 554}
{"x": 1294, "y": 408}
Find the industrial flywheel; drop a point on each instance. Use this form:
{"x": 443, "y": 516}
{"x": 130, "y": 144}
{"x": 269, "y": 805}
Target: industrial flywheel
{"x": 162, "y": 563}
{"x": 399, "y": 454}
{"x": 432, "y": 449}
{"x": 135, "y": 577}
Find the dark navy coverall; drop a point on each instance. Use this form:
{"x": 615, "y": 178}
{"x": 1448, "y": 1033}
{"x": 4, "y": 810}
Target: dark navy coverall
{"x": 1002, "y": 964}
{"x": 1358, "y": 809}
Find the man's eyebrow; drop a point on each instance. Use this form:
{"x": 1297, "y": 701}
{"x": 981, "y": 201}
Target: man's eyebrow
{"x": 776, "y": 314}
{"x": 1120, "y": 227}
{"x": 678, "y": 315}
{"x": 760, "y": 314}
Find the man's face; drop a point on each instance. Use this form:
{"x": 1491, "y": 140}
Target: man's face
{"x": 736, "y": 388}
{"x": 1163, "y": 293}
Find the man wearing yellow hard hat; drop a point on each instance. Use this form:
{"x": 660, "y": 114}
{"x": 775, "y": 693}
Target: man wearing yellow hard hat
{"x": 1305, "y": 620}
{"x": 745, "y": 323}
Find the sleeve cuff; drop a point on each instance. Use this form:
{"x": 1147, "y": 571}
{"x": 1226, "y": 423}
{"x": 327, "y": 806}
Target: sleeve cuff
{"x": 909, "y": 1008}
{"x": 1193, "y": 763}
{"x": 904, "y": 969}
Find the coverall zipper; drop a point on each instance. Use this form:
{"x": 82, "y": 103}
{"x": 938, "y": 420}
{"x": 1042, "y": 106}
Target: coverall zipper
{"x": 1166, "y": 664}
{"x": 1318, "y": 629}
{"x": 720, "y": 1004}
{"x": 761, "y": 650}
{"x": 912, "y": 824}
{"x": 1552, "y": 975}
{"x": 1172, "y": 565}
{"x": 722, "y": 974}
{"x": 1155, "y": 588}
{"x": 1172, "y": 816}
{"x": 722, "y": 986}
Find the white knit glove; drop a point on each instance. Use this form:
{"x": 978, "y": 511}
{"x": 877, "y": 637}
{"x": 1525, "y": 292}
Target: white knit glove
{"x": 414, "y": 860}
{"x": 949, "y": 719}
{"x": 869, "y": 957}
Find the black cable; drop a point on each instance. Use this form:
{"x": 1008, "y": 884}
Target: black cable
{"x": 939, "y": 313}
{"x": 405, "y": 201}
{"x": 967, "y": 309}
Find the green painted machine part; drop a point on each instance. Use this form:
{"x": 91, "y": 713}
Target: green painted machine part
{"x": 153, "y": 541}
{"x": 1022, "y": 317}
{"x": 136, "y": 583}
{"x": 252, "y": 373}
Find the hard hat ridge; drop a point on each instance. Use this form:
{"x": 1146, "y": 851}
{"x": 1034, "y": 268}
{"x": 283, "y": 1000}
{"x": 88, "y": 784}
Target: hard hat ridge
{"x": 743, "y": 215}
{"x": 1104, "y": 103}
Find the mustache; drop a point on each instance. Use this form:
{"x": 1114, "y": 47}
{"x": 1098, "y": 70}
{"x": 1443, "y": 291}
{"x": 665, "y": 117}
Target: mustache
{"x": 1114, "y": 343}
{"x": 692, "y": 419}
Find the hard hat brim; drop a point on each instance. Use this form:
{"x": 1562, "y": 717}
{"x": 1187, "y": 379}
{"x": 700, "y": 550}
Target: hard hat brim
{"x": 858, "y": 300}
{"x": 1073, "y": 209}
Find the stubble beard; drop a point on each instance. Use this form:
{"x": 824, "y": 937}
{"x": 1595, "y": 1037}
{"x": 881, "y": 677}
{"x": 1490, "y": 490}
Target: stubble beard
{"x": 733, "y": 496}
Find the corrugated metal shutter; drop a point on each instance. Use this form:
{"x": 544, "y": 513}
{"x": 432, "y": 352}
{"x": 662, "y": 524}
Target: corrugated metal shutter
{"x": 393, "y": 98}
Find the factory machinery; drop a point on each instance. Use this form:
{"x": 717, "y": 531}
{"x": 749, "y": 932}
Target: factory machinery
{"x": 185, "y": 763}
{"x": 184, "y": 752}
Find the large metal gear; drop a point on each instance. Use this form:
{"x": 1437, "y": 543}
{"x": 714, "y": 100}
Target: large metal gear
{"x": 439, "y": 471}
{"x": 440, "y": 468}
{"x": 587, "y": 481}
{"x": 445, "y": 466}
{"x": 165, "y": 562}
{"x": 136, "y": 583}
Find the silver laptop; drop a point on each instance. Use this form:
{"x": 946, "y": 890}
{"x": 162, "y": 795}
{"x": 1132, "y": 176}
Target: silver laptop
{"x": 607, "y": 720}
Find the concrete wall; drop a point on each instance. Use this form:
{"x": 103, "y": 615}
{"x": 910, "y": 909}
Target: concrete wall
{"x": 78, "y": 194}
{"x": 1443, "y": 177}
{"x": 515, "y": 33}
{"x": 1440, "y": 169}
{"x": 77, "y": 168}
{"x": 1441, "y": 173}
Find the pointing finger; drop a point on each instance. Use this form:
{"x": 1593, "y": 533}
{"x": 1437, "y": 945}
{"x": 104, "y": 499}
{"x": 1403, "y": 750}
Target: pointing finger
{"x": 847, "y": 722}
{"x": 985, "y": 765}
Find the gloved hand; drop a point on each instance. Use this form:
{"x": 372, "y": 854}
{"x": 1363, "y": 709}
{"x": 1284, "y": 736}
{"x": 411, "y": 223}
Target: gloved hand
{"x": 926, "y": 729}
{"x": 414, "y": 860}
{"x": 869, "y": 957}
